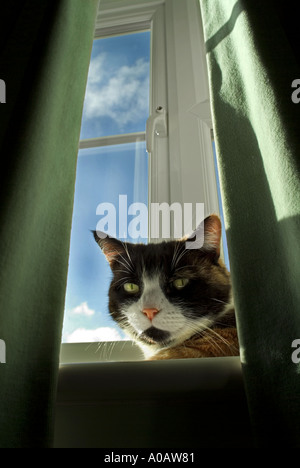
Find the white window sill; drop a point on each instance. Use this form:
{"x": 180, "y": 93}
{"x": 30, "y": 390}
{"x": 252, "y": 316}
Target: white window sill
{"x": 100, "y": 352}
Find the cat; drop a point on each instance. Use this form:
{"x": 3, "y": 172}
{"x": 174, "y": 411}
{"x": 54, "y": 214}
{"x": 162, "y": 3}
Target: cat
{"x": 172, "y": 301}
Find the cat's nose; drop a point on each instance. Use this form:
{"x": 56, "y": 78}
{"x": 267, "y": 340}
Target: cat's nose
{"x": 150, "y": 313}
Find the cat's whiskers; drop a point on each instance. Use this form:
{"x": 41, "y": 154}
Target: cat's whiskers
{"x": 126, "y": 265}
{"x": 221, "y": 338}
{"x": 174, "y": 256}
{"x": 214, "y": 344}
{"x": 122, "y": 271}
{"x": 122, "y": 280}
{"x": 206, "y": 334}
{"x": 123, "y": 321}
{"x": 193, "y": 327}
{"x": 216, "y": 334}
{"x": 179, "y": 257}
{"x": 220, "y": 322}
{"x": 101, "y": 349}
{"x": 110, "y": 349}
{"x": 128, "y": 254}
{"x": 219, "y": 300}
{"x": 185, "y": 267}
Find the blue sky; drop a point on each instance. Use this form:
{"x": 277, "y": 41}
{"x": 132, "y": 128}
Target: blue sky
{"x": 116, "y": 101}
{"x": 117, "y": 95}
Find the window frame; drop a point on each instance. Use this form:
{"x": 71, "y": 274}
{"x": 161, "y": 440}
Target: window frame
{"x": 125, "y": 17}
{"x": 177, "y": 44}
{"x": 190, "y": 120}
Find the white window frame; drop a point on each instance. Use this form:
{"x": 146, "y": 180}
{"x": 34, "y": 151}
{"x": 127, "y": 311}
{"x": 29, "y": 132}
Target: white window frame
{"x": 192, "y": 177}
{"x": 181, "y": 165}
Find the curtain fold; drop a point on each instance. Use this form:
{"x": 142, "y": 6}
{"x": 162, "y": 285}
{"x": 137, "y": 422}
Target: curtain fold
{"x": 253, "y": 60}
{"x": 45, "y": 50}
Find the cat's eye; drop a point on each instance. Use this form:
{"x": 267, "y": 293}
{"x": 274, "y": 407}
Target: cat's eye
{"x": 180, "y": 283}
{"x": 131, "y": 287}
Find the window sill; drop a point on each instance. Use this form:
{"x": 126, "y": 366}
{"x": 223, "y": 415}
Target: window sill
{"x": 173, "y": 403}
{"x": 106, "y": 351}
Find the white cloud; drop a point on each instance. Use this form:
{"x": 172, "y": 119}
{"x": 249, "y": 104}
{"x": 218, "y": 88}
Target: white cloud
{"x": 97, "y": 70}
{"x": 84, "y": 335}
{"x": 120, "y": 94}
{"x": 83, "y": 309}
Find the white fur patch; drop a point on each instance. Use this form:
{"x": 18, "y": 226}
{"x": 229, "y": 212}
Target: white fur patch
{"x": 170, "y": 317}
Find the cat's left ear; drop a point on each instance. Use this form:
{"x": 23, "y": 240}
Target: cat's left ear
{"x": 207, "y": 236}
{"x": 110, "y": 246}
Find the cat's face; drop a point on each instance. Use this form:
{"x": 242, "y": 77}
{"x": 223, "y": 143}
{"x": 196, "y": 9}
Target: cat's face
{"x": 162, "y": 294}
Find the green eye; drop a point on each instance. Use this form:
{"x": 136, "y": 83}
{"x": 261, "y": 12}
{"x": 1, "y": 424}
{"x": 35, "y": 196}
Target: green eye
{"x": 131, "y": 288}
{"x": 180, "y": 283}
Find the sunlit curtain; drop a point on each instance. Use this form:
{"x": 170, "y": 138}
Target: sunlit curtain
{"x": 253, "y": 59}
{"x": 45, "y": 49}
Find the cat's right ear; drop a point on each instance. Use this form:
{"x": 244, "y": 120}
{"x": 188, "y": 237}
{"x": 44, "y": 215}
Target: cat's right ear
{"x": 110, "y": 246}
{"x": 207, "y": 236}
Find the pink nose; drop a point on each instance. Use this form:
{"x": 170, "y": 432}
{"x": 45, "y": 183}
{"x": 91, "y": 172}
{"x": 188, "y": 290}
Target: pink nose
{"x": 150, "y": 313}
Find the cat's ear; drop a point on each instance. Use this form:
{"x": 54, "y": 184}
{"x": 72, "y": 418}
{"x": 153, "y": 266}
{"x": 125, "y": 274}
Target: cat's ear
{"x": 207, "y": 236}
{"x": 212, "y": 234}
{"x": 110, "y": 246}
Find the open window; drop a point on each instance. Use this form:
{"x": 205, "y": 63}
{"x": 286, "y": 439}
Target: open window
{"x": 148, "y": 60}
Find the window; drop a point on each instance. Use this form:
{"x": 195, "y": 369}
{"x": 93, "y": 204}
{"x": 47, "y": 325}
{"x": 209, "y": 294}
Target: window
{"x": 117, "y": 95}
{"x": 146, "y": 56}
{"x": 112, "y": 171}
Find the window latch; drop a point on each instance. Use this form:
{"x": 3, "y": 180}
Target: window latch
{"x": 156, "y": 126}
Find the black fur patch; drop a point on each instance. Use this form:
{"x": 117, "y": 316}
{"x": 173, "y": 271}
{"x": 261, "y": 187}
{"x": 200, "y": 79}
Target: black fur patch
{"x": 153, "y": 334}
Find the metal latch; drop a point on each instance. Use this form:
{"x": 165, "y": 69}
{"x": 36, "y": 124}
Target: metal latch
{"x": 156, "y": 126}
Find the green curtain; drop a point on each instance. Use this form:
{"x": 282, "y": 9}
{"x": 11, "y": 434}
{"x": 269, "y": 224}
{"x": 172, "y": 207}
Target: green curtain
{"x": 253, "y": 58}
{"x": 45, "y": 49}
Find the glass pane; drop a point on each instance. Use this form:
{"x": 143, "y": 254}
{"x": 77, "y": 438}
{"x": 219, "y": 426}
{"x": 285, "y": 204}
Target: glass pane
{"x": 117, "y": 94}
{"x": 117, "y": 175}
